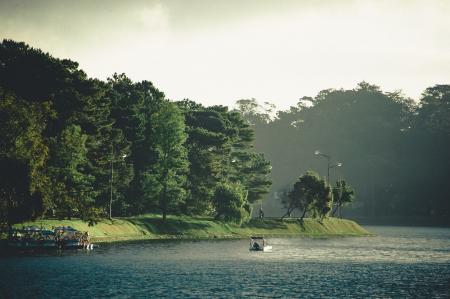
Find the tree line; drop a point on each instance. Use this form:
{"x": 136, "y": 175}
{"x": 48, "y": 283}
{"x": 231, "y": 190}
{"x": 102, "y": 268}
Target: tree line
{"x": 393, "y": 150}
{"x": 73, "y": 146}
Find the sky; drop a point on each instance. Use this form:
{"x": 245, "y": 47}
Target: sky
{"x": 217, "y": 52}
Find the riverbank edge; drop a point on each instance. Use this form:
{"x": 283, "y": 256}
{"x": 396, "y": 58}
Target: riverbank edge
{"x": 152, "y": 227}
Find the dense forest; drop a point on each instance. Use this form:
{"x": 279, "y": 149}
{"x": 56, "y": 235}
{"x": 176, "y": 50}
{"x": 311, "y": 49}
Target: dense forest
{"x": 72, "y": 146}
{"x": 394, "y": 151}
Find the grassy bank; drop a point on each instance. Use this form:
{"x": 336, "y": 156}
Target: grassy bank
{"x": 181, "y": 227}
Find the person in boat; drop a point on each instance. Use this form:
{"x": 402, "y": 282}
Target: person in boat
{"x": 255, "y": 246}
{"x": 258, "y": 243}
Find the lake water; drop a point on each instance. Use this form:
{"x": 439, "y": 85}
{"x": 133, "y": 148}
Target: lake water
{"x": 401, "y": 262}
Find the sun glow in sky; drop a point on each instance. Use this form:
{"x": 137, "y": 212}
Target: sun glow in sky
{"x": 217, "y": 52}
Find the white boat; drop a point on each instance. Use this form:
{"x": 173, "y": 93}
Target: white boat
{"x": 259, "y": 244}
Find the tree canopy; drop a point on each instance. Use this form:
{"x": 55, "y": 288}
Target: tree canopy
{"x": 394, "y": 150}
{"x": 310, "y": 194}
{"x": 72, "y": 146}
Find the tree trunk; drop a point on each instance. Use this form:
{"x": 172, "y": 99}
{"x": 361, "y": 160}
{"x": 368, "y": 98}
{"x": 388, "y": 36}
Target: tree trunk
{"x": 303, "y": 215}
{"x": 288, "y": 213}
{"x": 164, "y": 206}
{"x": 8, "y": 215}
{"x": 164, "y": 202}
{"x": 333, "y": 211}
{"x": 163, "y": 199}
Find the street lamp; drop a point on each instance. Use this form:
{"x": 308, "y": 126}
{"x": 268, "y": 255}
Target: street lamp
{"x": 112, "y": 179}
{"x": 329, "y": 166}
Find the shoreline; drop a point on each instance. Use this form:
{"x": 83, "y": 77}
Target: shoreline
{"x": 401, "y": 221}
{"x": 151, "y": 227}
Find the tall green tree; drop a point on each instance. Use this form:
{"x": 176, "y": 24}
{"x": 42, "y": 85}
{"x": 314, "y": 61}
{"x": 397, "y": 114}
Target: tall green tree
{"x": 245, "y": 166}
{"x": 310, "y": 194}
{"x": 74, "y": 189}
{"x": 253, "y": 171}
{"x": 343, "y": 194}
{"x": 230, "y": 201}
{"x": 24, "y": 152}
{"x": 133, "y": 108}
{"x": 206, "y": 130}
{"x": 165, "y": 182}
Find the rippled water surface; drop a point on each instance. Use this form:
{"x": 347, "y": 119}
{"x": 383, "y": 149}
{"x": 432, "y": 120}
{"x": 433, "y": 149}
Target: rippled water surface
{"x": 400, "y": 262}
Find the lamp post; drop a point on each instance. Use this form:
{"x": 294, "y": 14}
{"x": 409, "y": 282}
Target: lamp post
{"x": 329, "y": 166}
{"x": 111, "y": 182}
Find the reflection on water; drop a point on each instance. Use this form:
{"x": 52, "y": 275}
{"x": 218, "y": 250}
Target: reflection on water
{"x": 398, "y": 262}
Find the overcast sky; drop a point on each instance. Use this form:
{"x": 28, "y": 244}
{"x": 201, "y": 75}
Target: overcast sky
{"x": 217, "y": 52}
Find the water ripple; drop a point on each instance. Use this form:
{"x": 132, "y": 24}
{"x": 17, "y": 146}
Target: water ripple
{"x": 398, "y": 263}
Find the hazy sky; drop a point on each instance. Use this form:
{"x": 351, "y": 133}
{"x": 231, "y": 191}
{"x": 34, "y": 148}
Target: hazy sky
{"x": 217, "y": 52}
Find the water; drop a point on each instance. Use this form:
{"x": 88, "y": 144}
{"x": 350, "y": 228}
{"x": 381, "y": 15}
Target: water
{"x": 401, "y": 262}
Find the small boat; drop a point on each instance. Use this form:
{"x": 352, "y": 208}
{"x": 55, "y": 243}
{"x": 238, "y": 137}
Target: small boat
{"x": 69, "y": 238}
{"x": 259, "y": 244}
{"x": 63, "y": 237}
{"x": 31, "y": 238}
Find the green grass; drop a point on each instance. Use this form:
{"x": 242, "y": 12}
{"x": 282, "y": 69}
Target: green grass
{"x": 182, "y": 227}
